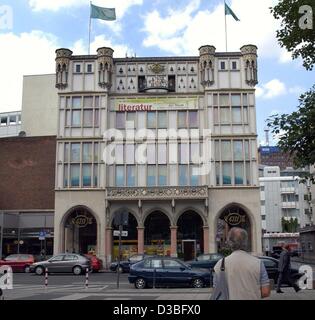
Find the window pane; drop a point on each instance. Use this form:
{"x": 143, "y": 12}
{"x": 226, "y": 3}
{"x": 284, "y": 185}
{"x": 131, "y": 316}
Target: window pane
{"x": 217, "y": 150}
{"x": 217, "y": 173}
{"x": 151, "y": 176}
{"x": 120, "y": 179}
{"x": 246, "y": 150}
{"x": 131, "y": 118}
{"x": 87, "y": 152}
{"x": 238, "y": 173}
{"x": 119, "y": 153}
{"x": 95, "y": 152}
{"x": 245, "y": 102}
{"x": 215, "y": 99}
{"x": 86, "y": 175}
{"x": 130, "y": 153}
{"x": 183, "y": 175}
{"x": 224, "y": 100}
{"x": 131, "y": 177}
{"x": 88, "y": 102}
{"x": 215, "y": 115}
{"x": 120, "y": 120}
{"x": 238, "y": 150}
{"x": 151, "y": 119}
{"x": 76, "y": 102}
{"x": 248, "y": 173}
{"x": 87, "y": 118}
{"x": 96, "y": 118}
{"x": 95, "y": 175}
{"x": 236, "y": 99}
{"x": 227, "y": 172}
{"x": 245, "y": 115}
{"x": 66, "y": 152}
{"x": 194, "y": 153}
{"x": 65, "y": 175}
{"x": 162, "y": 153}
{"x": 97, "y": 102}
{"x": 76, "y": 118}
{"x": 225, "y": 115}
{"x": 182, "y": 119}
{"x": 193, "y": 119}
{"x": 75, "y": 175}
{"x": 162, "y": 175}
{"x": 194, "y": 177}
{"x": 151, "y": 153}
{"x": 226, "y": 150}
{"x": 183, "y": 152}
{"x": 236, "y": 115}
{"x": 162, "y": 119}
{"x": 68, "y": 118}
{"x": 75, "y": 152}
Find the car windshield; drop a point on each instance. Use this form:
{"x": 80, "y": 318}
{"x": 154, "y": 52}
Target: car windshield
{"x": 135, "y": 258}
{"x": 203, "y": 257}
{"x": 11, "y": 257}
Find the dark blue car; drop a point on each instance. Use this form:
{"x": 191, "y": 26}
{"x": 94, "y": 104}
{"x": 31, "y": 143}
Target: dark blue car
{"x": 124, "y": 265}
{"x": 164, "y": 271}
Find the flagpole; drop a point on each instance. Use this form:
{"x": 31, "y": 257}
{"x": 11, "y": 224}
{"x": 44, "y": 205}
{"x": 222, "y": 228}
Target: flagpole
{"x": 225, "y": 28}
{"x": 90, "y": 27}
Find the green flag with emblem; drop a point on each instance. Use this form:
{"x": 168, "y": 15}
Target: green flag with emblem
{"x": 229, "y": 11}
{"x": 108, "y": 14}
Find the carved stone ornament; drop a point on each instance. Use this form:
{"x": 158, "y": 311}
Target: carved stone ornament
{"x": 158, "y": 193}
{"x": 156, "y": 68}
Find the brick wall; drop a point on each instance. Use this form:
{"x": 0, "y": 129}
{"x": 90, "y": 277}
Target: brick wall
{"x": 27, "y": 173}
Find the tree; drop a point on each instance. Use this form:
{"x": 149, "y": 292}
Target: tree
{"x": 297, "y": 32}
{"x": 296, "y": 131}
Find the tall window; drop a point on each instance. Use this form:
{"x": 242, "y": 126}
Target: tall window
{"x": 151, "y": 175}
{"x": 120, "y": 120}
{"x": 131, "y": 176}
{"x": 183, "y": 175}
{"x": 162, "y": 175}
{"x": 151, "y": 119}
{"x": 162, "y": 123}
{"x": 120, "y": 177}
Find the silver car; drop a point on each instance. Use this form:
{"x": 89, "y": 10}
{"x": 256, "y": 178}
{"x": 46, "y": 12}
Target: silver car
{"x": 65, "y": 262}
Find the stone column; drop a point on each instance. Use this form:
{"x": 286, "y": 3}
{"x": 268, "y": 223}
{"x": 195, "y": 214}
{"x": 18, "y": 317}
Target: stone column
{"x": 205, "y": 239}
{"x": 173, "y": 241}
{"x": 108, "y": 245}
{"x": 140, "y": 240}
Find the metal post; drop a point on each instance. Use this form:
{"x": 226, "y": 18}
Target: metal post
{"x": 46, "y": 278}
{"x": 86, "y": 278}
{"x": 154, "y": 278}
{"x": 18, "y": 248}
{"x": 119, "y": 253}
{"x": 1, "y": 233}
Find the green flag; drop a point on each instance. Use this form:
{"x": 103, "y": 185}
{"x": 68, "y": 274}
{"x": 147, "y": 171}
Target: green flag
{"x": 228, "y": 11}
{"x": 102, "y": 13}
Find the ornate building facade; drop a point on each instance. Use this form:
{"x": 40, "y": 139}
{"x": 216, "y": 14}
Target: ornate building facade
{"x": 172, "y": 140}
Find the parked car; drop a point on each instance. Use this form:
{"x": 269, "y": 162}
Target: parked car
{"x": 65, "y": 262}
{"x": 207, "y": 261}
{"x": 18, "y": 262}
{"x": 271, "y": 265}
{"x": 165, "y": 271}
{"x": 96, "y": 263}
{"x": 124, "y": 265}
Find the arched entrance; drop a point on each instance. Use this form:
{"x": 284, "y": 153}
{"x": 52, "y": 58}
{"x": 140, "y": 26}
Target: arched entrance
{"x": 129, "y": 244}
{"x": 232, "y": 216}
{"x": 189, "y": 235}
{"x": 157, "y": 234}
{"x": 80, "y": 232}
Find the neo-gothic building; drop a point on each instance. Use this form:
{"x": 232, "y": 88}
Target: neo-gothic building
{"x": 170, "y": 139}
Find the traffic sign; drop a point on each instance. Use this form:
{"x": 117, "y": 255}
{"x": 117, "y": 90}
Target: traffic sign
{"x": 123, "y": 233}
{"x": 42, "y": 235}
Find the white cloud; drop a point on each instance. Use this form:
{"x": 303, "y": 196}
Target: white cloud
{"x": 27, "y": 53}
{"x": 184, "y": 31}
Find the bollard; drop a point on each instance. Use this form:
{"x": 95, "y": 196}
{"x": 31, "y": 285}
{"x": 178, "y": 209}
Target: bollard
{"x": 1, "y": 294}
{"x": 86, "y": 278}
{"x": 46, "y": 278}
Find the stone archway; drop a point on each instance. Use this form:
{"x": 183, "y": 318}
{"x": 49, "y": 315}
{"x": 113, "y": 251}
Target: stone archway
{"x": 157, "y": 234}
{"x": 80, "y": 231}
{"x": 232, "y": 215}
{"x": 190, "y": 235}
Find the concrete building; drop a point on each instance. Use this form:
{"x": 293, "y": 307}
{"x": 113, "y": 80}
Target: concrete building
{"x": 171, "y": 139}
{"x": 272, "y": 156}
{"x": 10, "y": 124}
{"x": 283, "y": 198}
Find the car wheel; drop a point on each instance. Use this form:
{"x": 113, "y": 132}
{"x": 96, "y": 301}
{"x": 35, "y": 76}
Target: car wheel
{"x": 119, "y": 269}
{"x": 197, "y": 283}
{"x": 27, "y": 269}
{"x": 140, "y": 283}
{"x": 77, "y": 270}
{"x": 39, "y": 271}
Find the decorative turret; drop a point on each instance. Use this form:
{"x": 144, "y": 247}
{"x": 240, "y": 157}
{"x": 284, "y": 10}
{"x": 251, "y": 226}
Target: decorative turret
{"x": 249, "y": 53}
{"x": 63, "y": 57}
{"x": 206, "y": 62}
{"x": 105, "y": 67}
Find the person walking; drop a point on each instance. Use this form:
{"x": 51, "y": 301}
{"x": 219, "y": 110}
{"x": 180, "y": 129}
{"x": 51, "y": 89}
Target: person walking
{"x": 246, "y": 276}
{"x": 284, "y": 269}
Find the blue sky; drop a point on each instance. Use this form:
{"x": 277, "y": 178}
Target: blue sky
{"x": 147, "y": 28}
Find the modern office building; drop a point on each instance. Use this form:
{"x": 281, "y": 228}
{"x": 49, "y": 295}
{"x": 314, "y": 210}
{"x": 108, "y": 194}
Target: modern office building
{"x": 274, "y": 157}
{"x": 10, "y": 124}
{"x": 172, "y": 140}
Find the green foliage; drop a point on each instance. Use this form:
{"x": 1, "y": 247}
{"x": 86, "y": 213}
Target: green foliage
{"x": 289, "y": 225}
{"x": 291, "y": 36}
{"x": 296, "y": 132}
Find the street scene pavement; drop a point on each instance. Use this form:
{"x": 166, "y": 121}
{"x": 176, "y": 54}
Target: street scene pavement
{"x": 103, "y": 286}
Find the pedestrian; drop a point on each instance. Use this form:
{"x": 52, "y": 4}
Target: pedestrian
{"x": 284, "y": 269}
{"x": 246, "y": 276}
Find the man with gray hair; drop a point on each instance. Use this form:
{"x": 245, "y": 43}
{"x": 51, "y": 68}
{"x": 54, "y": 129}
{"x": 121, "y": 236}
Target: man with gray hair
{"x": 246, "y": 275}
